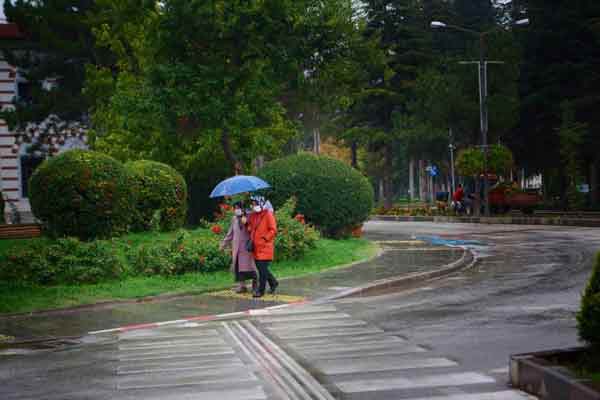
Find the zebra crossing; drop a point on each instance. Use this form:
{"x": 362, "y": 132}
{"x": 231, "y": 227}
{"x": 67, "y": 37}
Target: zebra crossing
{"x": 359, "y": 361}
{"x": 188, "y": 362}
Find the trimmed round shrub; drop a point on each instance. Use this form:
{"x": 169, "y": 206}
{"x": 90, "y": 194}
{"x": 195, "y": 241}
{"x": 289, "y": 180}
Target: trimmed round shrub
{"x": 588, "y": 318}
{"x": 331, "y": 195}
{"x": 161, "y": 196}
{"x": 82, "y": 193}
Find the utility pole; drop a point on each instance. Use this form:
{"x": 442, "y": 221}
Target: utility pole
{"x": 451, "y": 147}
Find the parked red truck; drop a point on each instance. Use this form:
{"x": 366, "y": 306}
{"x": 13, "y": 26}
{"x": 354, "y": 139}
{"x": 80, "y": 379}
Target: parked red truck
{"x": 504, "y": 198}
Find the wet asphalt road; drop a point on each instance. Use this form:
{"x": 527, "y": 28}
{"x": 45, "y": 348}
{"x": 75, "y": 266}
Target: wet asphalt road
{"x": 522, "y": 296}
{"x": 440, "y": 340}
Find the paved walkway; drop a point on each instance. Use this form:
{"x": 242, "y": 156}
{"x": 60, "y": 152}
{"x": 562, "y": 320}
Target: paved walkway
{"x": 399, "y": 258}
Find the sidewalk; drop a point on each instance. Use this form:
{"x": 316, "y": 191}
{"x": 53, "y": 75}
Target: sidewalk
{"x": 399, "y": 258}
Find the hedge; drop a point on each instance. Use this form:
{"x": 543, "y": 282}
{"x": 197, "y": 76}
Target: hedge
{"x": 332, "y": 195}
{"x": 82, "y": 194}
{"x": 158, "y": 188}
{"x": 588, "y": 318}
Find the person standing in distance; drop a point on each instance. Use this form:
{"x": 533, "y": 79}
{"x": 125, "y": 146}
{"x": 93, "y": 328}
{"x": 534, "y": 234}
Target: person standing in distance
{"x": 263, "y": 230}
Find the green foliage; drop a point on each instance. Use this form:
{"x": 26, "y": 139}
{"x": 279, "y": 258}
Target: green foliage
{"x": 49, "y": 262}
{"x": 83, "y": 194}
{"x": 179, "y": 256}
{"x": 588, "y": 318}
{"x": 158, "y": 188}
{"x": 572, "y": 134}
{"x": 294, "y": 237}
{"x": 331, "y": 194}
{"x": 470, "y": 161}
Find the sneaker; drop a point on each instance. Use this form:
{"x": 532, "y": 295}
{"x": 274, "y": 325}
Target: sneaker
{"x": 241, "y": 289}
{"x": 273, "y": 288}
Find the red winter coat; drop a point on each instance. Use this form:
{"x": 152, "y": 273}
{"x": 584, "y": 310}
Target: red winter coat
{"x": 263, "y": 230}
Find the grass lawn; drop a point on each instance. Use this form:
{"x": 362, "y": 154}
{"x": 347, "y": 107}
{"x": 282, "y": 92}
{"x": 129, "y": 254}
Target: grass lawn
{"x": 17, "y": 299}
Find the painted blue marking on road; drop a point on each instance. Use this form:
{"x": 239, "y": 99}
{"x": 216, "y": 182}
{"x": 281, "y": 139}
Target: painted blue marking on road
{"x": 438, "y": 241}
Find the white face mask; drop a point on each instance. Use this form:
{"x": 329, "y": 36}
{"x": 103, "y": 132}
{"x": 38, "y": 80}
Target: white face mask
{"x": 257, "y": 209}
{"x": 238, "y": 212}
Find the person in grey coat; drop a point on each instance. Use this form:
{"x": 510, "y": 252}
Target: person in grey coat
{"x": 242, "y": 261}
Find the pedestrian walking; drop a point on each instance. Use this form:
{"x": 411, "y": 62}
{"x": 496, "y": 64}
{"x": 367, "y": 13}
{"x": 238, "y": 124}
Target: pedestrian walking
{"x": 263, "y": 230}
{"x": 243, "y": 266}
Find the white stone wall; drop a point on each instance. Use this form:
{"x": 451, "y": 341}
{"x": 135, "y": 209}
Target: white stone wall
{"x": 9, "y": 162}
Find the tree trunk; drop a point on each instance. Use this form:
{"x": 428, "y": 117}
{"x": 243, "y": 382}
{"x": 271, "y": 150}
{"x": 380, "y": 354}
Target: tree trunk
{"x": 477, "y": 198}
{"x": 422, "y": 183}
{"x": 594, "y": 183}
{"x": 316, "y": 140}
{"x": 411, "y": 179}
{"x": 388, "y": 170}
{"x": 229, "y": 155}
{"x": 354, "y": 151}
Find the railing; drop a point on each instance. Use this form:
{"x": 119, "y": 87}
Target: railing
{"x": 20, "y": 231}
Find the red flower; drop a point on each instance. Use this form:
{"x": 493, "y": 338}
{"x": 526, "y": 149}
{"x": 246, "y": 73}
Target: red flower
{"x": 225, "y": 207}
{"x": 300, "y": 218}
{"x": 216, "y": 229}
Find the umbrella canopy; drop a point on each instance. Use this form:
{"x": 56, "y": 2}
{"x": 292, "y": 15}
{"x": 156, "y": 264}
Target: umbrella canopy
{"x": 238, "y": 184}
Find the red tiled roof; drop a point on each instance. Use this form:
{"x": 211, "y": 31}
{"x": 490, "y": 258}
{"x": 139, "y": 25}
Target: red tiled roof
{"x": 10, "y": 31}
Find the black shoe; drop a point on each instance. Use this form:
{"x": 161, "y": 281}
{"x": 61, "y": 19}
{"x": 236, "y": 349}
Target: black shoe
{"x": 273, "y": 287}
{"x": 257, "y": 294}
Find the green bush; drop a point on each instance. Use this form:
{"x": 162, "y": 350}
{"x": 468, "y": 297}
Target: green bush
{"x": 294, "y": 237}
{"x": 332, "y": 195}
{"x": 158, "y": 188}
{"x": 83, "y": 194}
{"x": 179, "y": 256}
{"x": 588, "y": 318}
{"x": 62, "y": 261}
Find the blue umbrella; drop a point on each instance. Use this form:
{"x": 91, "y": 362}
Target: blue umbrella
{"x": 238, "y": 184}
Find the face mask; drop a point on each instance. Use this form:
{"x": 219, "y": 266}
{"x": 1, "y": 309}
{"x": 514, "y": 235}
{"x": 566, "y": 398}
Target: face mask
{"x": 238, "y": 212}
{"x": 257, "y": 209}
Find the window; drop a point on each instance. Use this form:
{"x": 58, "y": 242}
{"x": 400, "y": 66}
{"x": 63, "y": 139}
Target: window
{"x": 29, "y": 163}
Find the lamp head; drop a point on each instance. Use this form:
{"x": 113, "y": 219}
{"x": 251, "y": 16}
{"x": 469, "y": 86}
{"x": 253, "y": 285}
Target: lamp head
{"x": 437, "y": 24}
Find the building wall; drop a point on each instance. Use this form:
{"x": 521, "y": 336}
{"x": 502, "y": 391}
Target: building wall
{"x": 9, "y": 162}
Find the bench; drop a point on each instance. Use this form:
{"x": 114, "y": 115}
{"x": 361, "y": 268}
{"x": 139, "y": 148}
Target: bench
{"x": 20, "y": 231}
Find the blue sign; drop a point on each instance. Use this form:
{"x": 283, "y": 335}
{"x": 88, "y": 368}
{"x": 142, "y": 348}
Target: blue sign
{"x": 432, "y": 170}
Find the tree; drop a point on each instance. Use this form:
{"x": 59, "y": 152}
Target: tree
{"x": 59, "y": 43}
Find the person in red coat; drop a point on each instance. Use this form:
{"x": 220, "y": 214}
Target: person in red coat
{"x": 263, "y": 229}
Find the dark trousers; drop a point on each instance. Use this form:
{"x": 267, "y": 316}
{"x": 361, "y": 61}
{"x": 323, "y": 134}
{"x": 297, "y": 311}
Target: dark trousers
{"x": 264, "y": 275}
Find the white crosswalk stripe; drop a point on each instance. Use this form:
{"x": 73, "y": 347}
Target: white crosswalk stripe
{"x": 360, "y": 359}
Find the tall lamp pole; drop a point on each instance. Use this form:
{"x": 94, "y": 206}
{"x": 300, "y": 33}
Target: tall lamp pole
{"x": 483, "y": 106}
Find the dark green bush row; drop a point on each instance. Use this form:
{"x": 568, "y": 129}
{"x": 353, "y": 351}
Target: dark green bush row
{"x": 157, "y": 188}
{"x": 90, "y": 195}
{"x": 332, "y": 195}
{"x": 588, "y": 318}
{"x": 48, "y": 262}
{"x": 179, "y": 257}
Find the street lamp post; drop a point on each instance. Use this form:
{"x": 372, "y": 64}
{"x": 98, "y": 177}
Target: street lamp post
{"x": 451, "y": 148}
{"x": 483, "y": 106}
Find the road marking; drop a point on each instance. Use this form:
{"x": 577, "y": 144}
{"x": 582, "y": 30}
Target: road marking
{"x": 332, "y": 323}
{"x": 253, "y": 393}
{"x": 272, "y": 319}
{"x": 308, "y": 333}
{"x": 370, "y": 385}
{"x": 345, "y": 348}
{"x": 172, "y": 344}
{"x": 502, "y": 395}
{"x": 171, "y": 356}
{"x": 385, "y": 363}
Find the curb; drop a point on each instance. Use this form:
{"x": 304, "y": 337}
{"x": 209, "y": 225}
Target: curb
{"x": 467, "y": 261}
{"x": 200, "y": 318}
{"x": 553, "y": 221}
{"x": 533, "y": 374}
